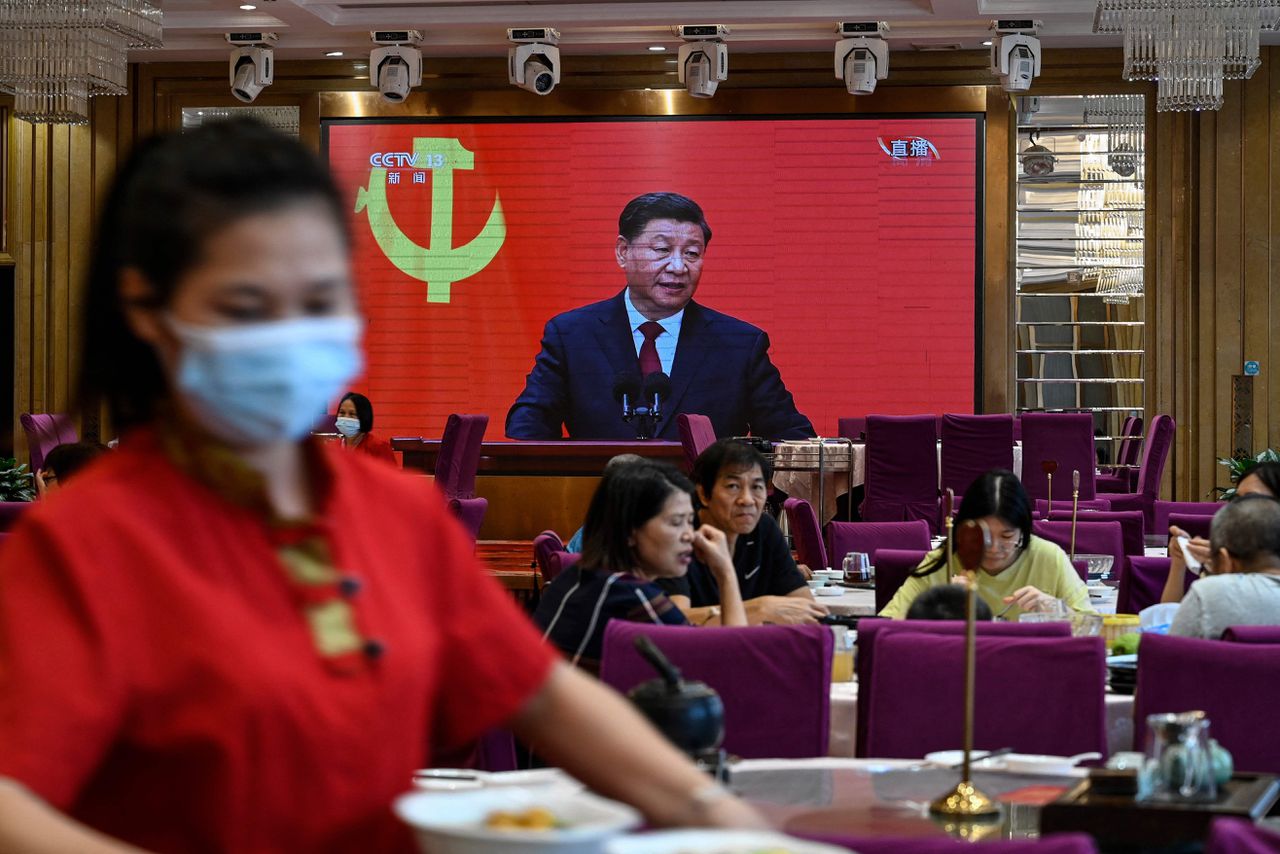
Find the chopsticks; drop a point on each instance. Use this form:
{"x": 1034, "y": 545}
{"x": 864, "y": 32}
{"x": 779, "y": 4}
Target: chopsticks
{"x": 990, "y": 754}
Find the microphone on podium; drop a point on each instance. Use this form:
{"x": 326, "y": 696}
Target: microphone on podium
{"x": 626, "y": 390}
{"x": 657, "y": 387}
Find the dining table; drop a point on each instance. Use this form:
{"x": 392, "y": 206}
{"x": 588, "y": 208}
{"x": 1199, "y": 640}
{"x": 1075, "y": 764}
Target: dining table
{"x": 859, "y": 602}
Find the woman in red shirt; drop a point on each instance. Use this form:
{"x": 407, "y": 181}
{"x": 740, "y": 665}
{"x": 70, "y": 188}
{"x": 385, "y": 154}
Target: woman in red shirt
{"x": 355, "y": 423}
{"x": 227, "y": 636}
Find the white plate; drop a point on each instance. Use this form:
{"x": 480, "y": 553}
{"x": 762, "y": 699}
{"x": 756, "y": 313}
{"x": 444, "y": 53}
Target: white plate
{"x": 829, "y": 591}
{"x": 717, "y": 841}
{"x": 1122, "y": 659}
{"x": 947, "y": 758}
{"x": 453, "y": 822}
{"x": 1013, "y": 763}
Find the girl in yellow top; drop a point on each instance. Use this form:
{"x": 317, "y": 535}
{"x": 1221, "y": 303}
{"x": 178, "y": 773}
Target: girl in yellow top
{"x": 1019, "y": 571}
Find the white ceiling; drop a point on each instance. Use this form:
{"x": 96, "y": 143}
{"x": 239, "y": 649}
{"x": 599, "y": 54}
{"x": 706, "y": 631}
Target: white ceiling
{"x": 193, "y": 29}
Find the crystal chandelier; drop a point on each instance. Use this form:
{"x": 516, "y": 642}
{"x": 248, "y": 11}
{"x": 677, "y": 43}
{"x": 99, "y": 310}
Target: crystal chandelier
{"x": 1188, "y": 46}
{"x": 56, "y": 54}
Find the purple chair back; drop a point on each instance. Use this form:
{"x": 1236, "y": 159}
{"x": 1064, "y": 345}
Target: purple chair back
{"x": 902, "y": 469}
{"x": 1053, "y": 843}
{"x": 852, "y": 428}
{"x": 544, "y": 545}
{"x": 973, "y": 445}
{"x": 1252, "y": 634}
{"x": 46, "y": 431}
{"x": 869, "y": 537}
{"x": 696, "y": 435}
{"x": 892, "y": 568}
{"x": 1017, "y": 428}
{"x": 10, "y": 511}
{"x": 1237, "y": 836}
{"x": 1234, "y": 683}
{"x": 470, "y": 512}
{"x": 559, "y": 562}
{"x": 871, "y": 631}
{"x": 1082, "y": 569}
{"x": 775, "y": 681}
{"x": 459, "y": 455}
{"x": 1130, "y": 441}
{"x": 1142, "y": 583}
{"x": 1092, "y": 538}
{"x": 1155, "y": 453}
{"x": 1036, "y": 695}
{"x": 1193, "y": 523}
{"x": 805, "y": 533}
{"x": 1161, "y": 510}
{"x": 1042, "y": 509}
{"x": 1131, "y": 525}
{"x": 1063, "y": 436}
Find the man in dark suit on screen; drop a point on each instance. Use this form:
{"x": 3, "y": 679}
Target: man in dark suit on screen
{"x": 719, "y": 365}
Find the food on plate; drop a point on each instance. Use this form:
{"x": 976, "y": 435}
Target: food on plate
{"x": 1126, "y": 644}
{"x": 534, "y": 818}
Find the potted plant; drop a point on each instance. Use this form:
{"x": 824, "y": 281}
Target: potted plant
{"x": 16, "y": 483}
{"x": 1238, "y": 465}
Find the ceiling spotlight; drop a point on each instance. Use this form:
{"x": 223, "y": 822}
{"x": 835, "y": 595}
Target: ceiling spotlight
{"x": 332, "y": 54}
{"x": 862, "y": 55}
{"x": 252, "y": 64}
{"x": 247, "y": 7}
{"x": 1015, "y": 53}
{"x": 534, "y": 63}
{"x": 657, "y": 48}
{"x": 1037, "y": 160}
{"x": 703, "y": 59}
{"x": 396, "y": 67}
{"x": 987, "y": 43}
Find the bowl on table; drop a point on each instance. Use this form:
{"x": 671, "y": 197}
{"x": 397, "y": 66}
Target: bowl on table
{"x": 1099, "y": 565}
{"x": 467, "y": 822}
{"x": 832, "y": 576}
{"x": 717, "y": 841}
{"x": 1122, "y": 673}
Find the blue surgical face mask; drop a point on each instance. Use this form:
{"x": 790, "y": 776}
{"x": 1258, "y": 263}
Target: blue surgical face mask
{"x": 264, "y": 383}
{"x": 347, "y": 426}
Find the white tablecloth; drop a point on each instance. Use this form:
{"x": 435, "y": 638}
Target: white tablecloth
{"x": 844, "y": 719}
{"x": 862, "y": 603}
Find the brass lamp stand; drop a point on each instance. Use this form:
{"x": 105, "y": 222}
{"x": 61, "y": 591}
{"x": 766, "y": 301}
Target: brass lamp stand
{"x": 966, "y": 801}
{"x": 1075, "y": 508}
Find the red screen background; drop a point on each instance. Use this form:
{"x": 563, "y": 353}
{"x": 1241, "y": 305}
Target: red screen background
{"x": 860, "y": 267}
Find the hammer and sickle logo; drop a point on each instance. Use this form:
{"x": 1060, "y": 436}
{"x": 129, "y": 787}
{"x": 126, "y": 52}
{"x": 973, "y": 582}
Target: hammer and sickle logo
{"x": 439, "y": 263}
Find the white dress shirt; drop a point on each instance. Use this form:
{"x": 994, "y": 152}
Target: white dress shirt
{"x": 666, "y": 342}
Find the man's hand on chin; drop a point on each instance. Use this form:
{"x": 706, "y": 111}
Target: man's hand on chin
{"x": 783, "y": 610}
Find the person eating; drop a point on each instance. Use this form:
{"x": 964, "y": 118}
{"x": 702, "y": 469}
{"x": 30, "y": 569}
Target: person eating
{"x": 639, "y": 530}
{"x": 1018, "y": 572}
{"x": 228, "y": 636}
{"x": 732, "y": 481}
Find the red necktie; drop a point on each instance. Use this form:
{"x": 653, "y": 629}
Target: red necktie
{"x": 649, "y": 361}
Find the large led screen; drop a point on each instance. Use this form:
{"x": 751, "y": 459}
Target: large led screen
{"x": 851, "y": 242}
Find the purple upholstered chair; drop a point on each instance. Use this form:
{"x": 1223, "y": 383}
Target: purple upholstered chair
{"x": 973, "y": 445}
{"x": 805, "y": 533}
{"x": 1120, "y": 477}
{"x": 470, "y": 512}
{"x": 1066, "y": 437}
{"x": 852, "y": 428}
{"x": 1195, "y": 524}
{"x": 1054, "y": 843}
{"x": 1131, "y": 524}
{"x": 10, "y": 511}
{"x": 845, "y": 537}
{"x": 1252, "y": 634}
{"x": 544, "y": 546}
{"x": 459, "y": 455}
{"x": 1036, "y": 695}
{"x": 1092, "y": 538}
{"x": 559, "y": 562}
{"x": 902, "y": 469}
{"x": 1155, "y": 453}
{"x": 46, "y": 431}
{"x": 696, "y": 435}
{"x": 775, "y": 681}
{"x": 1042, "y": 509}
{"x": 1163, "y": 509}
{"x": 871, "y": 631}
{"x": 1142, "y": 584}
{"x": 1233, "y": 683}
{"x": 892, "y": 568}
{"x": 1237, "y": 836}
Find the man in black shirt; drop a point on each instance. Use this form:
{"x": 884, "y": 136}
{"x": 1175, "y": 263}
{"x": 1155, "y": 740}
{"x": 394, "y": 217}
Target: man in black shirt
{"x": 732, "y": 481}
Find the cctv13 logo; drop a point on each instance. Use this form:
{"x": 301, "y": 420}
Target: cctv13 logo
{"x": 910, "y": 148}
{"x": 439, "y": 263}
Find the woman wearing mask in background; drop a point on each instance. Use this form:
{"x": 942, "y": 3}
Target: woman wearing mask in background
{"x": 221, "y": 638}
{"x": 355, "y": 423}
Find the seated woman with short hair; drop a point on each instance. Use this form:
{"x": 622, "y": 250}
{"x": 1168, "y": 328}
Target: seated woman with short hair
{"x": 639, "y": 528}
{"x": 1018, "y": 571}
